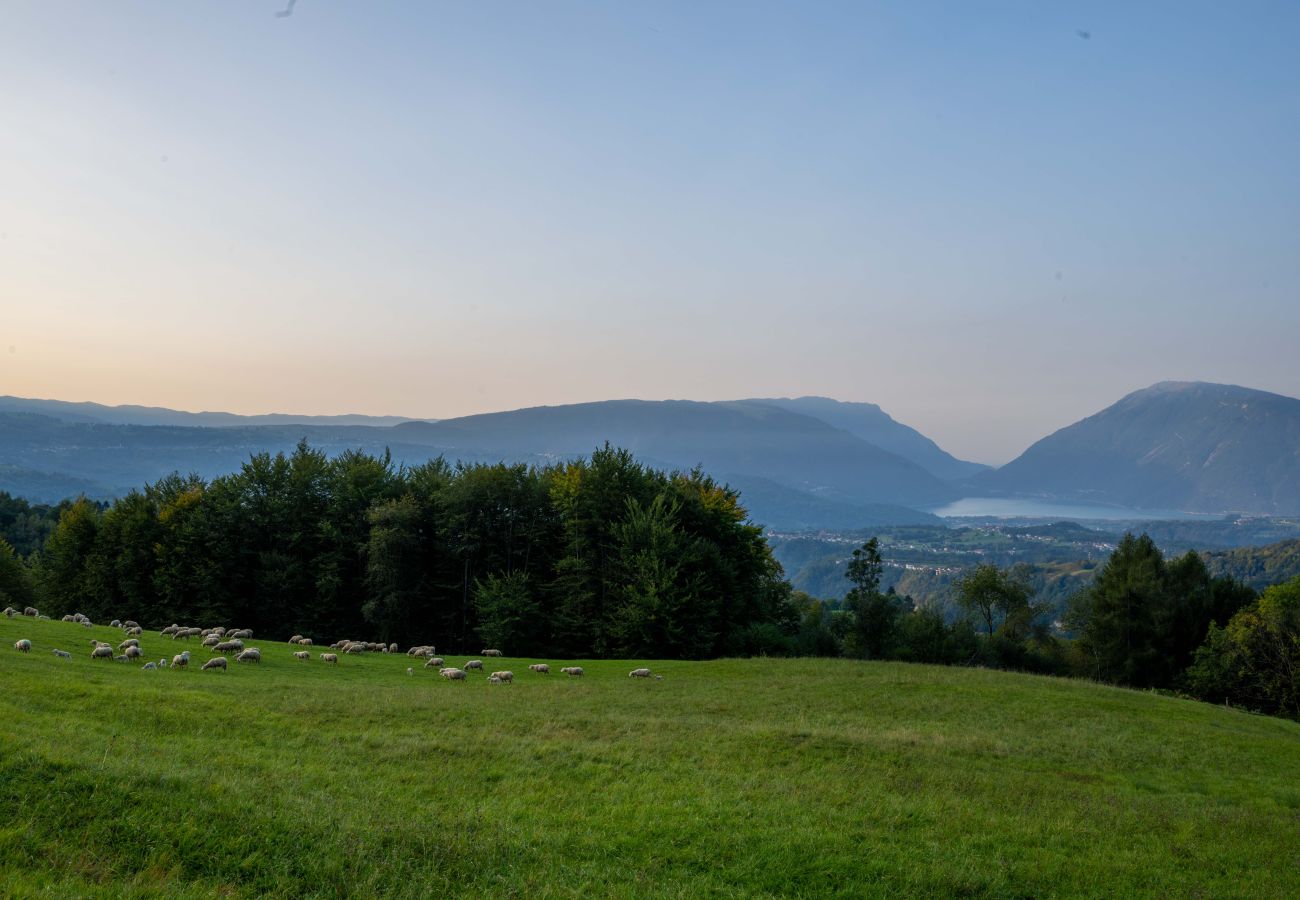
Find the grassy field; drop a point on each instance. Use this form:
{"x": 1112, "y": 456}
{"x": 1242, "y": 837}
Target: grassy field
{"x": 729, "y": 778}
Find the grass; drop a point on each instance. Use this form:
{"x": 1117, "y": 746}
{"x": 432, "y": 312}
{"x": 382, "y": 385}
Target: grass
{"x": 727, "y": 778}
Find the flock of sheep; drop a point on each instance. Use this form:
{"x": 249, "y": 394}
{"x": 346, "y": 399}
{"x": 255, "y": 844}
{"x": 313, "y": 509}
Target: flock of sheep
{"x": 231, "y": 641}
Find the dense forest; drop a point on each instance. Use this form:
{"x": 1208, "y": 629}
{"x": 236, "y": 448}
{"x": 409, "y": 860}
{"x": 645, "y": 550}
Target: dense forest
{"x": 602, "y": 556}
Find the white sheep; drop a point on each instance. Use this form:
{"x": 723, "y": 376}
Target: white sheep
{"x": 433, "y": 662}
{"x": 212, "y": 640}
{"x": 62, "y": 654}
{"x": 130, "y": 623}
{"x": 10, "y": 612}
{"x": 217, "y": 662}
{"x": 295, "y": 639}
{"x": 129, "y": 642}
{"x": 490, "y": 653}
{"x": 149, "y": 667}
{"x": 181, "y": 660}
{"x": 453, "y": 674}
{"x": 228, "y": 646}
{"x": 252, "y": 654}
{"x": 572, "y": 670}
{"x": 23, "y": 645}
{"x": 103, "y": 651}
{"x": 410, "y": 671}
{"x": 116, "y": 623}
{"x": 134, "y": 630}
{"x": 331, "y": 658}
{"x": 492, "y": 679}
{"x": 504, "y": 677}
{"x": 133, "y": 652}
{"x": 31, "y": 611}
{"x": 473, "y": 664}
{"x": 540, "y": 668}
{"x": 639, "y": 673}
{"x": 392, "y": 648}
{"x": 303, "y": 655}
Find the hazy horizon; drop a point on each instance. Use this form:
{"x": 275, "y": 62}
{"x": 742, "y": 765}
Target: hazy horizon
{"x": 989, "y": 221}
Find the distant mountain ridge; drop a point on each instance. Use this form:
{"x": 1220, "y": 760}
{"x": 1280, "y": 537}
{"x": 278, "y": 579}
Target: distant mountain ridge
{"x": 85, "y": 411}
{"x": 1191, "y": 446}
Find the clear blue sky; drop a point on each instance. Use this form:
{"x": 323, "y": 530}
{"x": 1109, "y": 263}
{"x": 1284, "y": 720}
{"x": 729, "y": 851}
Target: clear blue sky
{"x": 969, "y": 213}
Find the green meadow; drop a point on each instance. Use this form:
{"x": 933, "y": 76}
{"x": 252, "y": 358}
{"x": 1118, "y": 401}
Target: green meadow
{"x": 728, "y": 778}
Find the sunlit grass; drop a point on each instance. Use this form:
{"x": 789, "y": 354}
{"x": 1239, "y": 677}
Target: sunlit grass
{"x": 736, "y": 777}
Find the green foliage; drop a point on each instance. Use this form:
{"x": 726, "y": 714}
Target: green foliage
{"x": 1255, "y": 660}
{"x": 16, "y": 588}
{"x": 597, "y": 556}
{"x": 1142, "y": 618}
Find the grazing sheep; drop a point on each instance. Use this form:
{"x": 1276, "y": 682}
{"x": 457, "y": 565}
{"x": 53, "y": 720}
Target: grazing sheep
{"x": 295, "y": 639}
{"x": 217, "y": 662}
{"x": 133, "y": 652}
{"x": 306, "y": 642}
{"x": 453, "y": 674}
{"x": 331, "y": 658}
{"x": 31, "y": 611}
{"x": 241, "y": 634}
{"x": 492, "y": 679}
{"x": 229, "y": 646}
{"x": 23, "y": 645}
{"x": 211, "y": 640}
{"x": 252, "y": 654}
{"x": 540, "y": 668}
{"x": 129, "y": 642}
{"x": 504, "y": 677}
{"x": 392, "y": 648}
{"x": 62, "y": 654}
{"x": 87, "y": 623}
{"x": 10, "y": 612}
{"x": 67, "y": 619}
{"x": 116, "y": 623}
{"x": 433, "y": 662}
{"x": 303, "y": 655}
{"x": 410, "y": 671}
{"x": 130, "y": 623}
{"x": 355, "y": 648}
{"x": 180, "y": 660}
{"x": 491, "y": 653}
{"x": 572, "y": 670}
{"x": 102, "y": 652}
{"x": 639, "y": 673}
{"x": 149, "y": 667}
{"x": 476, "y": 664}
{"x": 134, "y": 630}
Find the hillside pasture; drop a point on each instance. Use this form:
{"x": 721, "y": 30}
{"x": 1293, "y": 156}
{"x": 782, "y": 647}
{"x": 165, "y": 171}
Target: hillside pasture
{"x": 729, "y": 778}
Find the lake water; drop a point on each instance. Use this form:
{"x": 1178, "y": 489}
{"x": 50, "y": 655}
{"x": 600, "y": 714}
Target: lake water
{"x": 1017, "y": 508}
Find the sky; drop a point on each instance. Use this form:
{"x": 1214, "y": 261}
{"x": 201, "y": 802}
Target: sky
{"x": 991, "y": 219}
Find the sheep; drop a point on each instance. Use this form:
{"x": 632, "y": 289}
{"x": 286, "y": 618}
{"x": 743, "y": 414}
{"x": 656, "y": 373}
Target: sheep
{"x": 572, "y": 670}
{"x": 10, "y": 612}
{"x": 639, "y": 673}
{"x": 129, "y": 642}
{"x": 453, "y": 674}
{"x": 356, "y": 647}
{"x": 410, "y": 671}
{"x": 23, "y": 645}
{"x": 490, "y": 653}
{"x": 133, "y": 652}
{"x": 476, "y": 664}
{"x": 228, "y": 646}
{"x": 433, "y": 662}
{"x": 392, "y": 648}
{"x": 540, "y": 668}
{"x": 31, "y": 611}
{"x": 130, "y": 623}
{"x": 67, "y": 619}
{"x": 102, "y": 652}
{"x": 180, "y": 660}
{"x": 492, "y": 679}
{"x": 302, "y": 655}
{"x": 217, "y": 662}
{"x": 149, "y": 667}
{"x": 295, "y": 639}
{"x": 305, "y": 642}
{"x": 134, "y": 630}
{"x": 504, "y": 677}
{"x": 87, "y": 623}
{"x": 423, "y": 650}
{"x": 243, "y": 633}
{"x": 62, "y": 654}
{"x": 252, "y": 654}
{"x": 116, "y": 623}
{"x": 331, "y": 658}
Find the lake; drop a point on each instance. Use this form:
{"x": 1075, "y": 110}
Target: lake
{"x": 1020, "y": 508}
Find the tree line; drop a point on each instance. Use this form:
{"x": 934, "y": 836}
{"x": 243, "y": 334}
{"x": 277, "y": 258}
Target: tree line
{"x": 600, "y": 556}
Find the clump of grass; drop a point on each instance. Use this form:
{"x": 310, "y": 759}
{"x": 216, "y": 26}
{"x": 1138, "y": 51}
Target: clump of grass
{"x": 731, "y": 778}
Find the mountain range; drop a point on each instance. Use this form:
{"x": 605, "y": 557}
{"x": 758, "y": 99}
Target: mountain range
{"x": 801, "y": 463}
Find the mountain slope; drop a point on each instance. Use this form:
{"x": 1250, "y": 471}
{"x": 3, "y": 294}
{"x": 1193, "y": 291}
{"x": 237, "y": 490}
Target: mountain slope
{"x": 754, "y": 439}
{"x": 157, "y": 415}
{"x": 875, "y": 426}
{"x": 1176, "y": 445}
